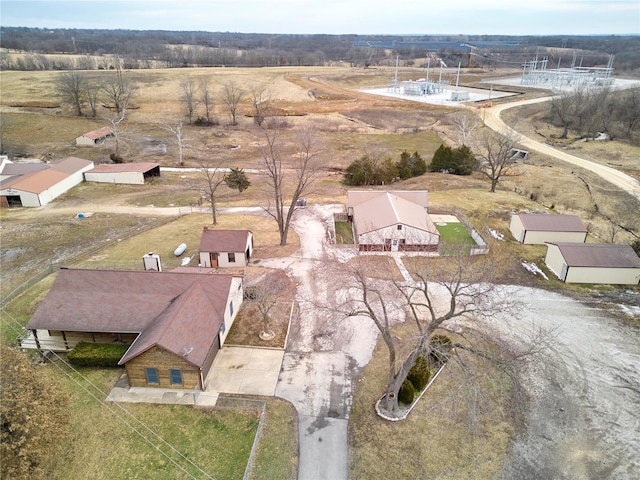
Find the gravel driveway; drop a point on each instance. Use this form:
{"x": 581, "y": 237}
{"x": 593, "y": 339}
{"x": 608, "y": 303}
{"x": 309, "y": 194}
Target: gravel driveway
{"x": 583, "y": 421}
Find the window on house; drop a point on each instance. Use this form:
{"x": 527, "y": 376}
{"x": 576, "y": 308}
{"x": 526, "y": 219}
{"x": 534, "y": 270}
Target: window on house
{"x": 223, "y": 327}
{"x": 176, "y": 376}
{"x": 387, "y": 241}
{"x": 232, "y": 257}
{"x": 399, "y": 227}
{"x": 231, "y": 308}
{"x": 152, "y": 375}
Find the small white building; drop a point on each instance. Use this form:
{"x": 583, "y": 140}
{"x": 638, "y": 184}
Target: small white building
{"x": 603, "y": 263}
{"x": 91, "y": 139}
{"x": 540, "y": 228}
{"x": 392, "y": 221}
{"x": 123, "y": 173}
{"x": 38, "y": 188}
{"x": 225, "y": 248}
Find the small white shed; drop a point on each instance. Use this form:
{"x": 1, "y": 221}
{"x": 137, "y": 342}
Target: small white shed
{"x": 603, "y": 263}
{"x": 540, "y": 228}
{"x": 225, "y": 248}
{"x": 91, "y": 139}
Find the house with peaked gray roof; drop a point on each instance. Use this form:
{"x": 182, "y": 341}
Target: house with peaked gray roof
{"x": 392, "y": 221}
{"x": 603, "y": 263}
{"x": 539, "y": 228}
{"x": 174, "y": 322}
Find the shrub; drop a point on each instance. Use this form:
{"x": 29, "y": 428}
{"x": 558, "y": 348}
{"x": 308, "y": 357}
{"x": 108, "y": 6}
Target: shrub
{"x": 97, "y": 354}
{"x": 458, "y": 161}
{"x": 411, "y": 165}
{"x": 406, "y": 393}
{"x": 440, "y": 348}
{"x": 419, "y": 374}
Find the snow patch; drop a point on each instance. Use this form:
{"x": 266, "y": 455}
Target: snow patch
{"x": 533, "y": 268}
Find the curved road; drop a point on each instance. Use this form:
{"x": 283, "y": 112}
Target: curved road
{"x": 492, "y": 120}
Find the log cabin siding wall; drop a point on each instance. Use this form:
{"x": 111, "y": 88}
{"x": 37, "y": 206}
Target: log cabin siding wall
{"x": 162, "y": 361}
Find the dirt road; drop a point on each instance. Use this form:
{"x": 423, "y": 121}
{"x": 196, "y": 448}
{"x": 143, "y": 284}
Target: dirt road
{"x": 621, "y": 180}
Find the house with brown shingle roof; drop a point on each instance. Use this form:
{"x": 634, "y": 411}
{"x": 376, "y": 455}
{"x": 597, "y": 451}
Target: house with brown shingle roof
{"x": 174, "y": 322}
{"x": 539, "y": 228}
{"x": 39, "y": 187}
{"x": 602, "y": 263}
{"x": 225, "y": 248}
{"x": 94, "y": 137}
{"x": 392, "y": 221}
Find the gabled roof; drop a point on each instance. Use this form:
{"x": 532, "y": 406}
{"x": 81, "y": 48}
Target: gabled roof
{"x": 552, "y": 223}
{"x": 388, "y": 209}
{"x": 99, "y": 133}
{"x": 35, "y": 182}
{"x": 356, "y": 197}
{"x": 598, "y": 255}
{"x": 41, "y": 180}
{"x": 70, "y": 164}
{"x": 118, "y": 301}
{"x": 23, "y": 168}
{"x": 223, "y": 240}
{"x": 142, "y": 167}
{"x": 187, "y": 327}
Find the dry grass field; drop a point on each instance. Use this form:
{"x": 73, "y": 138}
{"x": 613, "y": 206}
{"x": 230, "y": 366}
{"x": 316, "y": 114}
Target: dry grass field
{"x": 349, "y": 124}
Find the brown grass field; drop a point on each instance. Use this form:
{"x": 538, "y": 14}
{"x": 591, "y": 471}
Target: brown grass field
{"x": 349, "y": 124}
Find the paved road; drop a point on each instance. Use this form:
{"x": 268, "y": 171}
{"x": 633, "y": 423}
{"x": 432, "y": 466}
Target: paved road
{"x": 625, "y": 182}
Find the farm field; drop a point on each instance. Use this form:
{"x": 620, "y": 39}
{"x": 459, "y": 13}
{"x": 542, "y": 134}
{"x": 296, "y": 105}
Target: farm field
{"x": 129, "y": 221}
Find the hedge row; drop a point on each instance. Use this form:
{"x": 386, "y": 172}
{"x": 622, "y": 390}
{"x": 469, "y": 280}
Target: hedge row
{"x": 97, "y": 354}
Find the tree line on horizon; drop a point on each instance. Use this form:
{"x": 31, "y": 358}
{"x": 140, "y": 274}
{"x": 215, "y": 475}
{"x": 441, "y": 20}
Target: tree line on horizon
{"x": 178, "y": 49}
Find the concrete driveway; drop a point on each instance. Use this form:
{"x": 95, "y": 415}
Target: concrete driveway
{"x": 245, "y": 370}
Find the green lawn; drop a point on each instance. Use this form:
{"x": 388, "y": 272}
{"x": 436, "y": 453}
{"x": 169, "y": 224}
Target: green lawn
{"x": 454, "y": 233}
{"x": 344, "y": 233}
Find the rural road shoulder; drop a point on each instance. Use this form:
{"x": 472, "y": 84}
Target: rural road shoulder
{"x": 492, "y": 120}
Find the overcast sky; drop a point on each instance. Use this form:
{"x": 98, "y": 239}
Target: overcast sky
{"x": 508, "y": 17}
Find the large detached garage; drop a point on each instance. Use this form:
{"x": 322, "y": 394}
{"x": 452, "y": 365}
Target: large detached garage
{"x": 124, "y": 173}
{"x": 604, "y": 263}
{"x": 538, "y": 228}
{"x": 38, "y": 188}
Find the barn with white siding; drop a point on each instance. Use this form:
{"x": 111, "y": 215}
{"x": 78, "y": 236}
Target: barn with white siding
{"x": 40, "y": 187}
{"x": 539, "y": 228}
{"x": 600, "y": 263}
{"x": 392, "y": 221}
{"x": 123, "y": 173}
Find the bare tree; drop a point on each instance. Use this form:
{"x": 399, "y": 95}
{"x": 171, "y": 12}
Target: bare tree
{"x": 212, "y": 178}
{"x": 260, "y": 101}
{"x": 176, "y": 130}
{"x": 206, "y": 97}
{"x": 444, "y": 296}
{"x": 466, "y": 123}
{"x": 189, "y": 97}
{"x": 117, "y": 130}
{"x": 495, "y": 153}
{"x": 93, "y": 97}
{"x": 118, "y": 89}
{"x": 562, "y": 109}
{"x": 231, "y": 98}
{"x": 265, "y": 296}
{"x": 71, "y": 88}
{"x": 286, "y": 190}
